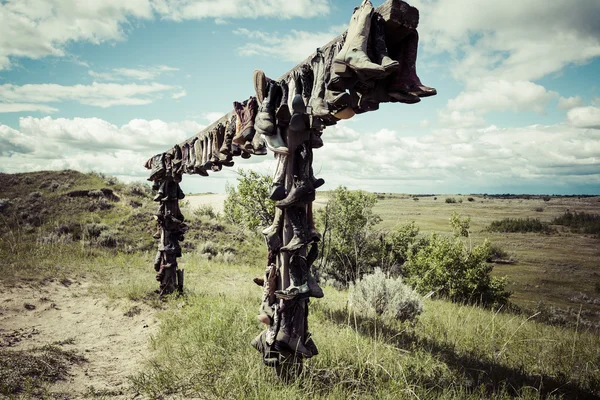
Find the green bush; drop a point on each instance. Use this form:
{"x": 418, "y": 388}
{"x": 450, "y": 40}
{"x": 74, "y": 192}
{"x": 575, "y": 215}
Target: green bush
{"x": 206, "y": 210}
{"x": 447, "y": 267}
{"x": 450, "y": 200}
{"x": 513, "y": 225}
{"x": 249, "y": 205}
{"x": 377, "y": 295}
{"x": 579, "y": 222}
{"x": 351, "y": 247}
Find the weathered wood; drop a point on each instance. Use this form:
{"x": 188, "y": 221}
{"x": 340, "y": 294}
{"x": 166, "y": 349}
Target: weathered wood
{"x": 400, "y": 18}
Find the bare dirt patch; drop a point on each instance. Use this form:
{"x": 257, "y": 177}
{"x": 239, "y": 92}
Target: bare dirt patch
{"x": 112, "y": 337}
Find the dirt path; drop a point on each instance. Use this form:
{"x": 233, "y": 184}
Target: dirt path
{"x": 113, "y": 337}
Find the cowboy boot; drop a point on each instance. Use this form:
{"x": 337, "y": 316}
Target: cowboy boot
{"x": 405, "y": 85}
{"x": 316, "y": 101}
{"x": 193, "y": 154}
{"x": 299, "y": 121}
{"x": 260, "y": 85}
{"x": 353, "y": 56}
{"x": 314, "y": 234}
{"x": 298, "y": 279}
{"x": 335, "y": 82}
{"x": 198, "y": 164}
{"x": 282, "y": 114}
{"x": 303, "y": 189}
{"x": 275, "y": 142}
{"x": 225, "y": 150}
{"x": 158, "y": 167}
{"x": 278, "y": 187}
{"x": 379, "y": 46}
{"x": 208, "y": 153}
{"x": 246, "y": 113}
{"x": 307, "y": 76}
{"x": 300, "y": 236}
{"x": 220, "y": 135}
{"x": 271, "y": 233}
{"x": 257, "y": 147}
{"x": 265, "y": 118}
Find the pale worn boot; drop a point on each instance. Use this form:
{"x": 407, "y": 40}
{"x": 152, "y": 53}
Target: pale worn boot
{"x": 275, "y": 142}
{"x": 317, "y": 102}
{"x": 272, "y": 236}
{"x": 278, "y": 187}
{"x": 301, "y": 236}
{"x": 353, "y": 55}
{"x": 225, "y": 149}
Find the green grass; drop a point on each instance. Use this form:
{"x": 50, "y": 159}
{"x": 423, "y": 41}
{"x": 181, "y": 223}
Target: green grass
{"x": 453, "y": 351}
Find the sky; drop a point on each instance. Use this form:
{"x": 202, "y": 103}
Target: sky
{"x": 103, "y": 85}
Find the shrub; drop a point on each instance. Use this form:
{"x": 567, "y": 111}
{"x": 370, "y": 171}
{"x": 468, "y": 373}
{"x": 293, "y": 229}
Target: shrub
{"x": 547, "y": 198}
{"x": 579, "y": 222}
{"x": 351, "y": 247}
{"x": 377, "y": 295}
{"x": 415, "y": 198}
{"x": 34, "y": 195}
{"x": 249, "y": 204}
{"x": 450, "y": 200}
{"x": 497, "y": 253}
{"x": 513, "y": 225}
{"x": 470, "y": 199}
{"x": 206, "y": 210}
{"x": 446, "y": 266}
{"x": 138, "y": 189}
{"x": 539, "y": 209}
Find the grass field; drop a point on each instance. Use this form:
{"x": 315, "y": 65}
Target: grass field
{"x": 200, "y": 348}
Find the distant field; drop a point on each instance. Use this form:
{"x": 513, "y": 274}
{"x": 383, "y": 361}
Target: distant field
{"x": 550, "y": 270}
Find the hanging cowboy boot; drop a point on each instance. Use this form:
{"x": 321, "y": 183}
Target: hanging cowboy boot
{"x": 379, "y": 46}
{"x": 353, "y": 56}
{"x": 307, "y": 76}
{"x": 303, "y": 190}
{"x": 265, "y": 118}
{"x": 257, "y": 147}
{"x": 225, "y": 149}
{"x": 283, "y": 114}
{"x": 208, "y": 152}
{"x": 220, "y": 135}
{"x": 405, "y": 86}
{"x": 299, "y": 121}
{"x": 300, "y": 236}
{"x": 271, "y": 233}
{"x": 198, "y": 164}
{"x": 298, "y": 269}
{"x": 313, "y": 233}
{"x": 316, "y": 101}
{"x": 246, "y": 113}
{"x": 278, "y": 187}
{"x": 275, "y": 142}
{"x": 260, "y": 85}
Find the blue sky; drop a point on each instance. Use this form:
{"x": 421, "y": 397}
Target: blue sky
{"x": 104, "y": 85}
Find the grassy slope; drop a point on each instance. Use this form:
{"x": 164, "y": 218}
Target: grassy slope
{"x": 202, "y": 349}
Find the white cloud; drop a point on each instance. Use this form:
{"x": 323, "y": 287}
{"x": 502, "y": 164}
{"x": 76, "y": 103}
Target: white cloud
{"x": 179, "y": 95}
{"x": 468, "y": 158}
{"x": 97, "y": 94}
{"x": 584, "y": 117}
{"x": 569, "y": 103}
{"x": 41, "y": 28}
{"x": 502, "y": 96}
{"x": 497, "y": 40}
{"x": 142, "y": 73}
{"x": 295, "y": 46}
{"x": 25, "y": 107}
{"x": 223, "y": 9}
{"x": 88, "y": 144}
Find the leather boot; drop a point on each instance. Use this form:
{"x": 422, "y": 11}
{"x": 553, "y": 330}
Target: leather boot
{"x": 278, "y": 187}
{"x": 316, "y": 101}
{"x": 312, "y": 230}
{"x": 158, "y": 167}
{"x": 405, "y": 85}
{"x": 258, "y": 145}
{"x": 300, "y": 236}
{"x": 379, "y": 46}
{"x": 260, "y": 85}
{"x": 291, "y": 343}
{"x": 193, "y": 153}
{"x": 208, "y": 143}
{"x": 275, "y": 142}
{"x": 265, "y": 118}
{"x": 303, "y": 190}
{"x": 246, "y": 114}
{"x": 272, "y": 237}
{"x": 220, "y": 136}
{"x": 283, "y": 114}
{"x": 198, "y": 164}
{"x": 225, "y": 149}
{"x": 298, "y": 279}
{"x": 307, "y": 76}
{"x": 353, "y": 56}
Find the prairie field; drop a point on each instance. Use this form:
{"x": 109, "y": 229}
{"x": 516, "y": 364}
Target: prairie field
{"x": 79, "y": 317}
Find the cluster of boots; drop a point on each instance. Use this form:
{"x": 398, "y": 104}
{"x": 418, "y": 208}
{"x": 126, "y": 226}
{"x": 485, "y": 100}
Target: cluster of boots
{"x": 166, "y": 175}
